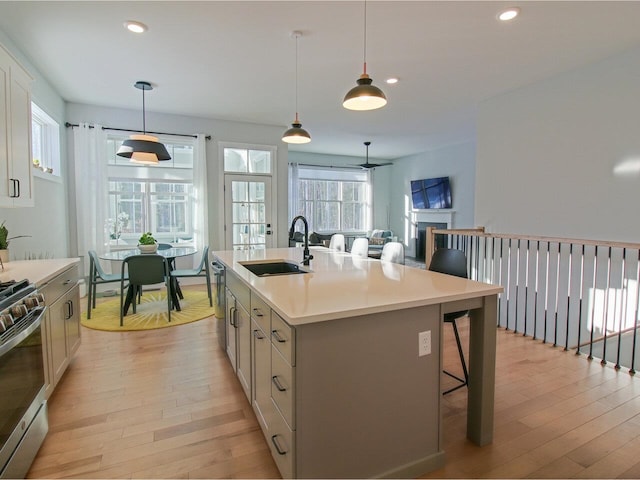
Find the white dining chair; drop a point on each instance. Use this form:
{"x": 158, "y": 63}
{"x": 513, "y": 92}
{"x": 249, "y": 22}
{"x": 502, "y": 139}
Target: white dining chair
{"x": 337, "y": 242}
{"x": 360, "y": 247}
{"x": 393, "y": 252}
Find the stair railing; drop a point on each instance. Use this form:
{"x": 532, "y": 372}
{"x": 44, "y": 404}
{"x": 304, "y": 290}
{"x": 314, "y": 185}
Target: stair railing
{"x": 572, "y": 293}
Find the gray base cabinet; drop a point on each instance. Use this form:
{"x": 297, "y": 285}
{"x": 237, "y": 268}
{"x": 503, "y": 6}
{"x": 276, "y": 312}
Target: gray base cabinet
{"x": 238, "y": 325}
{"x": 339, "y": 399}
{"x": 61, "y": 326}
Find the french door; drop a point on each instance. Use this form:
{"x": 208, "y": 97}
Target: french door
{"x": 247, "y": 212}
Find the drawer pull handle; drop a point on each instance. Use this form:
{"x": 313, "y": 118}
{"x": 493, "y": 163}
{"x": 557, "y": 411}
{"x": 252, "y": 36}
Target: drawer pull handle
{"x": 258, "y": 312}
{"x": 258, "y": 335}
{"x": 276, "y": 335}
{"x": 232, "y": 316}
{"x": 277, "y": 383}
{"x": 278, "y": 448}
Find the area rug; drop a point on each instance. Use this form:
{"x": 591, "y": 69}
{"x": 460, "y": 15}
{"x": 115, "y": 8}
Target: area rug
{"x": 150, "y": 313}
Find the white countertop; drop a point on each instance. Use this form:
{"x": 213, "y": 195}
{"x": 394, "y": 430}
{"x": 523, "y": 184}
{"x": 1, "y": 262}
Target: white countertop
{"x": 340, "y": 286}
{"x": 36, "y": 271}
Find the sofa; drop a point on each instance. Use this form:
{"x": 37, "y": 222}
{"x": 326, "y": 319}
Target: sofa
{"x": 315, "y": 239}
{"x": 377, "y": 240}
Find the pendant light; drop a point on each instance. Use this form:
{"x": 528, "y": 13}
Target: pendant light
{"x": 296, "y": 134}
{"x": 364, "y": 96}
{"x": 143, "y": 149}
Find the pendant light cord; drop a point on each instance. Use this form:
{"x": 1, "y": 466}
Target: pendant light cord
{"x": 297, "y": 36}
{"x": 364, "y": 56}
{"x": 144, "y": 122}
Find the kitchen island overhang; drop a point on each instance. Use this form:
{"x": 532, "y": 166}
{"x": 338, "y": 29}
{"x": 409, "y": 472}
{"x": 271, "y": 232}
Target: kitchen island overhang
{"x": 357, "y": 367}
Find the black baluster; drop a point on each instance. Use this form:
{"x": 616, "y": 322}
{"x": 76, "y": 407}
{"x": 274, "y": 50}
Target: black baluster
{"x": 593, "y": 303}
{"x": 632, "y": 370}
{"x": 580, "y": 302}
{"x": 623, "y": 307}
{"x": 566, "y": 330}
{"x": 535, "y": 298}
{"x": 603, "y": 361}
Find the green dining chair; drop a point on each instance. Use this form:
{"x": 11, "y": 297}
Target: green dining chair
{"x": 97, "y": 276}
{"x": 144, "y": 269}
{"x": 200, "y": 271}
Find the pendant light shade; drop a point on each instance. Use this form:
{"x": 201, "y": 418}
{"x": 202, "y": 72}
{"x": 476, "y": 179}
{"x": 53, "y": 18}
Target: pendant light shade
{"x": 365, "y": 95}
{"x": 143, "y": 149}
{"x": 296, "y": 134}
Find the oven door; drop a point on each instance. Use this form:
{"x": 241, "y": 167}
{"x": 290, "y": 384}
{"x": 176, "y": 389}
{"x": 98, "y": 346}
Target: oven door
{"x": 23, "y": 412}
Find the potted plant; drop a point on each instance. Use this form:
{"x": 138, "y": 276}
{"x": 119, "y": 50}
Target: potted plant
{"x": 147, "y": 244}
{"x": 4, "y": 242}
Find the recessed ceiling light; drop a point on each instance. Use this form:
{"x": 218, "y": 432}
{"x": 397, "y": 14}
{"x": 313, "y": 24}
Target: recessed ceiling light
{"x": 392, "y": 80}
{"x": 509, "y": 14}
{"x": 135, "y": 27}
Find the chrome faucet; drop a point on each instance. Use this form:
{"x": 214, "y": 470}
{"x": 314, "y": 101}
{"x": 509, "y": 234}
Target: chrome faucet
{"x": 306, "y": 256}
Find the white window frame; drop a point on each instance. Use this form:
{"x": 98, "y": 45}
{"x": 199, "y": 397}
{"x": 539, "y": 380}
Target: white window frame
{"x": 321, "y": 173}
{"x": 49, "y": 144}
{"x": 165, "y": 172}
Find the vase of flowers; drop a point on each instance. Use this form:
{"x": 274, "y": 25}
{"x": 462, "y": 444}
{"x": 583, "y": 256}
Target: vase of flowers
{"x": 115, "y": 227}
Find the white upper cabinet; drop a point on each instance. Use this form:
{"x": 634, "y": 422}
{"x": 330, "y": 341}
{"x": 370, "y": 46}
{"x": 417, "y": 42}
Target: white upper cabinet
{"x": 16, "y": 177}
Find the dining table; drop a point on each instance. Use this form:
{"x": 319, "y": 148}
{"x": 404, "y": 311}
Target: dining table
{"x": 169, "y": 253}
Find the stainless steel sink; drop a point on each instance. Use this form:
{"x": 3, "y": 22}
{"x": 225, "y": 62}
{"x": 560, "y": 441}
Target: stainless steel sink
{"x": 267, "y": 269}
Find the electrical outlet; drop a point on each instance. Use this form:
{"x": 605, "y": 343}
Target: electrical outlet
{"x": 424, "y": 343}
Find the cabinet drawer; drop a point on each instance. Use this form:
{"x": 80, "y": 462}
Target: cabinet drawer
{"x": 260, "y": 312}
{"x": 60, "y": 285}
{"x": 283, "y": 386}
{"x": 283, "y": 337}
{"x": 239, "y": 289}
{"x": 282, "y": 444}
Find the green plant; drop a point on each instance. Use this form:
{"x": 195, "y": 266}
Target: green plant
{"x": 146, "y": 239}
{"x": 5, "y": 238}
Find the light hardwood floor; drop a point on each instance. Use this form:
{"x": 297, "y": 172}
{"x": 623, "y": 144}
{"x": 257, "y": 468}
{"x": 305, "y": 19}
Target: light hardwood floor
{"x": 165, "y": 404}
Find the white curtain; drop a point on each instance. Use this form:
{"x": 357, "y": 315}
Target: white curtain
{"x": 201, "y": 222}
{"x": 294, "y": 208}
{"x": 90, "y": 162}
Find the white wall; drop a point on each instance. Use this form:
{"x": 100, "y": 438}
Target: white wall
{"x": 455, "y": 161}
{"x": 380, "y": 179}
{"x": 47, "y": 221}
{"x": 221, "y": 131}
{"x": 547, "y": 153}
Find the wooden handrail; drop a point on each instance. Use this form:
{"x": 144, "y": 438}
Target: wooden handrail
{"x": 479, "y": 232}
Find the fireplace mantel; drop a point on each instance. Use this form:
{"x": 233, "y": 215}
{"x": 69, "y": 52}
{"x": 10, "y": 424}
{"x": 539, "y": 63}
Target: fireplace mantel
{"x": 433, "y": 216}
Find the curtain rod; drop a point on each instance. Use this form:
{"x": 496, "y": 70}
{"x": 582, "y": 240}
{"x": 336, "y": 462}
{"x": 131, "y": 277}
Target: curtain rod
{"x": 71, "y": 125}
{"x": 328, "y": 166}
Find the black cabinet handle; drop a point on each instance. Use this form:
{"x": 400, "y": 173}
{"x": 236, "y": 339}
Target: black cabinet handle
{"x": 275, "y": 444}
{"x": 276, "y": 335}
{"x": 18, "y": 181}
{"x": 14, "y": 194}
{"x": 258, "y": 312}
{"x": 258, "y": 335}
{"x": 232, "y": 316}
{"x": 277, "y": 383}
{"x": 69, "y": 309}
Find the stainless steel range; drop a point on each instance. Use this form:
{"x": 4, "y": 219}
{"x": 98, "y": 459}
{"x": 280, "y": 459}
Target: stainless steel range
{"x": 23, "y": 408}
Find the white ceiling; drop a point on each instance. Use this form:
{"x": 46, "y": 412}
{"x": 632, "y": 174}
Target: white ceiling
{"x": 236, "y": 60}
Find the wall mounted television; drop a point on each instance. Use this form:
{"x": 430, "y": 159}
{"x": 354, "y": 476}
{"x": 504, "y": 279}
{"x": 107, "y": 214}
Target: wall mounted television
{"x": 431, "y": 193}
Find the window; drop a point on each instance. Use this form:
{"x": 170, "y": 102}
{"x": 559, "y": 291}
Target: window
{"x": 157, "y": 199}
{"x": 333, "y": 199}
{"x": 45, "y": 141}
{"x": 244, "y": 160}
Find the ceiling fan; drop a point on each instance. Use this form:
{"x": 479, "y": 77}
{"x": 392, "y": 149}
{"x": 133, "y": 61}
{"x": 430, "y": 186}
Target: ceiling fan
{"x": 366, "y": 165}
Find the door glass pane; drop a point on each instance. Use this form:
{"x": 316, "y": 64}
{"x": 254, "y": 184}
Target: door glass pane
{"x": 257, "y": 213}
{"x": 241, "y": 234}
{"x": 240, "y": 213}
{"x": 239, "y": 192}
{"x": 256, "y": 191}
{"x": 258, "y": 235}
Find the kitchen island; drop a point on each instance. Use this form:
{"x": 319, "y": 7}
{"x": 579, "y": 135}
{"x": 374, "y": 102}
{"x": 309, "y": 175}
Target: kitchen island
{"x": 342, "y": 364}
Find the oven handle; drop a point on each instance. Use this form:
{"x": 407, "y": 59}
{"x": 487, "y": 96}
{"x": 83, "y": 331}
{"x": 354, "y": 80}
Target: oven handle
{"x": 38, "y": 312}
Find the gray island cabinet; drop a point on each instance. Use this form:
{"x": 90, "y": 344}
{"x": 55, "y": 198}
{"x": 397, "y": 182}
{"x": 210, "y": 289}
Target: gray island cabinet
{"x": 332, "y": 367}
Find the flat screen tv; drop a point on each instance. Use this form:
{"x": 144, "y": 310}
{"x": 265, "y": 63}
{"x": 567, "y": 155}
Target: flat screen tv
{"x": 431, "y": 193}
